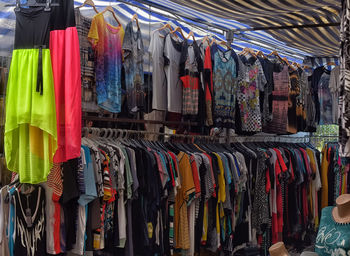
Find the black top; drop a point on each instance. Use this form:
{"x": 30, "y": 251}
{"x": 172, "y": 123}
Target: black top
{"x": 32, "y": 28}
{"x": 316, "y": 76}
{"x": 62, "y": 16}
{"x": 30, "y": 223}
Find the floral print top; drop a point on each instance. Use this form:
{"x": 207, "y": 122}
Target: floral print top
{"x": 251, "y": 80}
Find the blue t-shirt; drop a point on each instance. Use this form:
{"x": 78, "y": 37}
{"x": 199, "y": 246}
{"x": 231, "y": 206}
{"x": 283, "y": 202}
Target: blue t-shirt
{"x": 332, "y": 238}
{"x": 89, "y": 180}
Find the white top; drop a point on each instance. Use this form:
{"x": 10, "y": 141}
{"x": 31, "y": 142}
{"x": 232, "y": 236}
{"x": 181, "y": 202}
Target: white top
{"x": 174, "y": 84}
{"x": 156, "y": 49}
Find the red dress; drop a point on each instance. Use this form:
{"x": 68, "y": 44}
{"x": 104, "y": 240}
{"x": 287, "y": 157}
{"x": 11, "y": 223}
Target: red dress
{"x": 65, "y": 55}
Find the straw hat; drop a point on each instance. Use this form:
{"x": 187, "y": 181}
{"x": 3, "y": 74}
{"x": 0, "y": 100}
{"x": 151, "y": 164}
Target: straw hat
{"x": 308, "y": 254}
{"x": 278, "y": 249}
{"x": 343, "y": 202}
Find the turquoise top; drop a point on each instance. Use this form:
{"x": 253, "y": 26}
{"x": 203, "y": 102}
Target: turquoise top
{"x": 332, "y": 238}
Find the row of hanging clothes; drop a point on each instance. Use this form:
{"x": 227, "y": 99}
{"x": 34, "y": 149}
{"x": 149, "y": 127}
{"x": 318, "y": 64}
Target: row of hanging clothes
{"x": 130, "y": 196}
{"x": 205, "y": 80}
{"x": 201, "y": 79}
{"x": 334, "y": 172}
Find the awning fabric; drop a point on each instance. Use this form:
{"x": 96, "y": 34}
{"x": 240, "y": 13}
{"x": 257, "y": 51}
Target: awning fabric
{"x": 319, "y": 41}
{"x": 226, "y": 14}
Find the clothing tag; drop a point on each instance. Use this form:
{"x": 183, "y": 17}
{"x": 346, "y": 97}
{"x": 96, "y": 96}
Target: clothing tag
{"x": 29, "y": 218}
{"x": 138, "y": 44}
{"x": 97, "y": 241}
{"x": 150, "y": 229}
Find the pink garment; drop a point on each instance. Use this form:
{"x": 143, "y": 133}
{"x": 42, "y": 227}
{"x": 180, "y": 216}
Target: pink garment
{"x": 65, "y": 55}
{"x": 277, "y": 215}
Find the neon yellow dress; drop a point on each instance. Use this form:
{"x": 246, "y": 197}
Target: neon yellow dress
{"x": 30, "y": 128}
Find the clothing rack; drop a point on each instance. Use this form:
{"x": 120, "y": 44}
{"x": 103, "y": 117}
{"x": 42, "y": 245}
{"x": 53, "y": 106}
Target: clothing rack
{"x": 137, "y": 121}
{"x": 269, "y": 138}
{"x": 124, "y": 133}
{"x": 319, "y": 141}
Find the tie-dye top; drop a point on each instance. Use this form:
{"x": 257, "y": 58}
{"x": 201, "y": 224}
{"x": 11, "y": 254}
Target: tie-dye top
{"x": 107, "y": 42}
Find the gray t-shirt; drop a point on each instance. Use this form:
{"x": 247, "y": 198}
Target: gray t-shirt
{"x": 156, "y": 49}
{"x": 172, "y": 53}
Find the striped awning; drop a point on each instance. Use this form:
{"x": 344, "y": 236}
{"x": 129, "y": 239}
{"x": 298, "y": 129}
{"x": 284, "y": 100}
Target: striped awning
{"x": 151, "y": 18}
{"x": 195, "y": 15}
{"x": 316, "y": 41}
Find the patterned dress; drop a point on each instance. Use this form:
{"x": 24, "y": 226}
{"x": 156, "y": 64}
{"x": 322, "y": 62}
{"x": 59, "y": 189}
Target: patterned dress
{"x": 224, "y": 89}
{"x": 251, "y": 81}
{"x": 294, "y": 91}
{"x": 280, "y": 102}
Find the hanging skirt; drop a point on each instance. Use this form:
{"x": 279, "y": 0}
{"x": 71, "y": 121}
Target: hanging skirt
{"x": 65, "y": 54}
{"x": 30, "y": 128}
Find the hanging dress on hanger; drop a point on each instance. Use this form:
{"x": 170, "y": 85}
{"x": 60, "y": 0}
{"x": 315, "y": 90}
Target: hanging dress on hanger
{"x": 65, "y": 55}
{"x": 133, "y": 52}
{"x": 87, "y": 63}
{"x": 294, "y": 91}
{"x": 30, "y": 128}
{"x": 107, "y": 41}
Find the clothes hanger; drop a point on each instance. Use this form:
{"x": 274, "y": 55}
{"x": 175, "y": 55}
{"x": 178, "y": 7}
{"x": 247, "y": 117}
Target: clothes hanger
{"x": 275, "y": 53}
{"x": 135, "y": 17}
{"x": 191, "y": 34}
{"x": 213, "y": 41}
{"x": 296, "y": 64}
{"x": 331, "y": 63}
{"x": 180, "y": 145}
{"x": 306, "y": 67}
{"x": 178, "y": 29}
{"x": 223, "y": 43}
{"x": 243, "y": 51}
{"x": 252, "y": 52}
{"x": 206, "y": 38}
{"x": 110, "y": 9}
{"x": 261, "y": 54}
{"x": 25, "y": 188}
{"x": 287, "y": 63}
{"x": 33, "y": 3}
{"x": 167, "y": 25}
{"x": 172, "y": 147}
{"x": 89, "y": 2}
